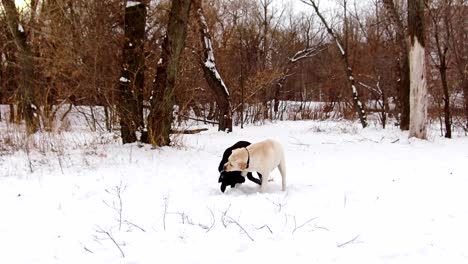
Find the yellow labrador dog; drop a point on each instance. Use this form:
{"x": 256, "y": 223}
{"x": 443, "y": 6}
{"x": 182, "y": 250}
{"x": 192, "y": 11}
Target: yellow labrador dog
{"x": 262, "y": 157}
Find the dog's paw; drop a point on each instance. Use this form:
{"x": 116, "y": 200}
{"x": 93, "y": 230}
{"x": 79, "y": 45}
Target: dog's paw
{"x": 223, "y": 188}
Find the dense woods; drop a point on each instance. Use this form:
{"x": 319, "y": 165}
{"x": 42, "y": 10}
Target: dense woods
{"x": 151, "y": 65}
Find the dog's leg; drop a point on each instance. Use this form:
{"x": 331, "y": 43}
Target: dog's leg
{"x": 265, "y": 178}
{"x": 282, "y": 169}
{"x": 252, "y": 178}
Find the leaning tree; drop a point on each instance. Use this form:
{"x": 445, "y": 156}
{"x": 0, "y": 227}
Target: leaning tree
{"x": 418, "y": 85}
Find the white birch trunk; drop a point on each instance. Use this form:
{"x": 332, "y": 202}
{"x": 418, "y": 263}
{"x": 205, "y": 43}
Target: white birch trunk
{"x": 418, "y": 91}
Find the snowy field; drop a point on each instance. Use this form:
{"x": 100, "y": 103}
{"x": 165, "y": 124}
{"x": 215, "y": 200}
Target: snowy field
{"x": 354, "y": 196}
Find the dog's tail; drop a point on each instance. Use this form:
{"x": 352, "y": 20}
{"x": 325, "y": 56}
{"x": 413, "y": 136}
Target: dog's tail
{"x": 282, "y": 169}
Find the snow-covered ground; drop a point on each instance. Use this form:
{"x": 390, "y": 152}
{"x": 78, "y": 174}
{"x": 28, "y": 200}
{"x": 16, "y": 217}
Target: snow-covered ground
{"x": 354, "y": 196}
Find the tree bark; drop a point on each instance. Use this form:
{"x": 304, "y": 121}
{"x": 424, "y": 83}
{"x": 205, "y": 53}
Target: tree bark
{"x": 132, "y": 76}
{"x": 465, "y": 92}
{"x": 418, "y": 85}
{"x": 162, "y": 102}
{"x": 210, "y": 71}
{"x": 344, "y": 57}
{"x": 439, "y": 17}
{"x": 447, "y": 112}
{"x": 404, "y": 80}
{"x": 26, "y": 65}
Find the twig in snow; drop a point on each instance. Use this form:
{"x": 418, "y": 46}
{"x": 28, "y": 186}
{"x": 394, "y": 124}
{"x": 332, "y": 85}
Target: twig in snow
{"x": 237, "y": 223}
{"x": 298, "y": 142}
{"x": 213, "y": 221}
{"x": 87, "y": 249}
{"x": 322, "y": 227}
{"x": 305, "y": 223}
{"x": 347, "y": 242}
{"x": 166, "y": 204}
{"x": 269, "y": 229}
{"x": 224, "y": 215}
{"x": 130, "y": 155}
{"x": 60, "y": 163}
{"x": 278, "y": 203}
{"x": 28, "y": 155}
{"x": 102, "y": 231}
{"x": 117, "y": 192}
{"x": 134, "y": 225}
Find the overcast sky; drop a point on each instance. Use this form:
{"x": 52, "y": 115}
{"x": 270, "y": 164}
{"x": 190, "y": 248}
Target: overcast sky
{"x": 325, "y": 6}
{"x": 19, "y": 3}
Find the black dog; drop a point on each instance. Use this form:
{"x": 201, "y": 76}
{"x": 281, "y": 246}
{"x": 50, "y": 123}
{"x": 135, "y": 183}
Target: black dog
{"x": 233, "y": 177}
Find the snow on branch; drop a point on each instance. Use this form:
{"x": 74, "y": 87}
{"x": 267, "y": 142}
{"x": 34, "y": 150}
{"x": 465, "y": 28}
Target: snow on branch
{"x": 133, "y": 3}
{"x": 124, "y": 79}
{"x": 20, "y": 28}
{"x": 344, "y": 56}
{"x": 339, "y": 46}
{"x": 372, "y": 89}
{"x": 209, "y": 61}
{"x": 305, "y": 54}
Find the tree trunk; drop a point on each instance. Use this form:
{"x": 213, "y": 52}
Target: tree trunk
{"x": 465, "y": 93}
{"x": 212, "y": 76}
{"x": 447, "y": 112}
{"x": 440, "y": 20}
{"x": 344, "y": 57}
{"x": 418, "y": 86}
{"x": 403, "y": 83}
{"x": 278, "y": 87}
{"x": 26, "y": 65}
{"x": 132, "y": 76}
{"x": 162, "y": 102}
{"x": 12, "y": 117}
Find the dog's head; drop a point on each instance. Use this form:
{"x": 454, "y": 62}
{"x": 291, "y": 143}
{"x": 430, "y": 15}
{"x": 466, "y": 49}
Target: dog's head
{"x": 237, "y": 161}
{"x": 230, "y": 179}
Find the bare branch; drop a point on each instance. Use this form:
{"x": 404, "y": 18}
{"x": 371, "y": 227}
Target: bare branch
{"x": 269, "y": 229}
{"x": 237, "y": 223}
{"x": 300, "y": 226}
{"x": 231, "y": 220}
{"x": 134, "y": 225}
{"x": 213, "y": 221}
{"x": 279, "y": 204}
{"x": 87, "y": 249}
{"x": 102, "y": 231}
{"x": 344, "y": 57}
{"x": 347, "y": 242}
{"x": 305, "y": 54}
{"x": 117, "y": 192}
{"x": 224, "y": 215}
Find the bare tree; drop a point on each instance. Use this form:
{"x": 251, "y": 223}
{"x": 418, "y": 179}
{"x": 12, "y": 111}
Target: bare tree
{"x": 344, "y": 57}
{"x": 132, "y": 76}
{"x": 210, "y": 71}
{"x": 403, "y": 80}
{"x": 440, "y": 17}
{"x": 459, "y": 50}
{"x": 162, "y": 102}
{"x": 418, "y": 85}
{"x": 26, "y": 65}
{"x": 310, "y": 50}
{"x": 304, "y": 54}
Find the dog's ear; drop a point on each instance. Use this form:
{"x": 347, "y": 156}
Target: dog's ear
{"x": 243, "y": 165}
{"x": 223, "y": 187}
